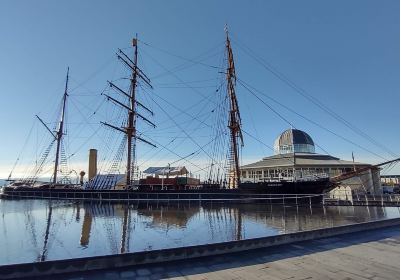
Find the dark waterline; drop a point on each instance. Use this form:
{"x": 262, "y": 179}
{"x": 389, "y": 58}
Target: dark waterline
{"x": 37, "y": 230}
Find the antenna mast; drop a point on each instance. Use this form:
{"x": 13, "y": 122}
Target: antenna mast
{"x": 59, "y": 132}
{"x": 234, "y": 119}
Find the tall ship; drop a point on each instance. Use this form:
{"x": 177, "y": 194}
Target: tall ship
{"x": 177, "y": 180}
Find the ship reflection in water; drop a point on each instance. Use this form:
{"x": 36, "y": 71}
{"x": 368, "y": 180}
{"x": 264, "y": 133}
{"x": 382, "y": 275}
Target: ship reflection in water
{"x": 38, "y": 230}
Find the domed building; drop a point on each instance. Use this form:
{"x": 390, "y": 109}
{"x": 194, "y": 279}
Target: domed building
{"x": 294, "y": 141}
{"x": 295, "y": 159}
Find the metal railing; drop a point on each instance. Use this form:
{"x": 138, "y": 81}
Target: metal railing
{"x": 362, "y": 199}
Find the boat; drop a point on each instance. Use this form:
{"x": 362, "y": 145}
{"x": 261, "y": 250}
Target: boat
{"x": 233, "y": 184}
{"x": 178, "y": 188}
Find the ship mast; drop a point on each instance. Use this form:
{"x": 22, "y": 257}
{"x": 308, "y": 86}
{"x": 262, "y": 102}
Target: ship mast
{"x": 234, "y": 119}
{"x": 130, "y": 129}
{"x": 59, "y": 133}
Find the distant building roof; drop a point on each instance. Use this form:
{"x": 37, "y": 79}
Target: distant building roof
{"x": 166, "y": 170}
{"x": 301, "y": 159}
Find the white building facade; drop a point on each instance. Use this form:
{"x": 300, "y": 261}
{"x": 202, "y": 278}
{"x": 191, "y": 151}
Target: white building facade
{"x": 295, "y": 160}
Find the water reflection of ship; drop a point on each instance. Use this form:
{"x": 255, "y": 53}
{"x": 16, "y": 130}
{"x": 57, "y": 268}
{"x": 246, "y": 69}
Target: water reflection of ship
{"x": 230, "y": 220}
{"x": 130, "y": 227}
{"x": 109, "y": 212}
{"x": 162, "y": 216}
{"x": 50, "y": 229}
{"x": 291, "y": 219}
{"x": 168, "y": 216}
{"x": 52, "y": 225}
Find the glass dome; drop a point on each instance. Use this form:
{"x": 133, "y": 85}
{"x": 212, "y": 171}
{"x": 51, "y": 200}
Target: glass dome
{"x": 294, "y": 141}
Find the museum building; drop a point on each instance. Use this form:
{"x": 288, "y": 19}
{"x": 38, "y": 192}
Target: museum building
{"x": 295, "y": 159}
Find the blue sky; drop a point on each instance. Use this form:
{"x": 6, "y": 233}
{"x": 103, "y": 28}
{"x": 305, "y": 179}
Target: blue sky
{"x": 344, "y": 53}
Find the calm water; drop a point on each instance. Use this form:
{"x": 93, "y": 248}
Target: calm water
{"x": 35, "y": 230}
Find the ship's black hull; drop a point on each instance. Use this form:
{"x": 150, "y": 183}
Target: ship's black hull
{"x": 264, "y": 192}
{"x": 288, "y": 187}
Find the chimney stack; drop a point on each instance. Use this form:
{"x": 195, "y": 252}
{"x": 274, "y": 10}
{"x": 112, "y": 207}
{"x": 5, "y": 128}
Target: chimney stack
{"x": 92, "y": 163}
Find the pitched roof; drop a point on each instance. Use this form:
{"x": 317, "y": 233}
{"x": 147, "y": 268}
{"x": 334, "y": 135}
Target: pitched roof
{"x": 303, "y": 159}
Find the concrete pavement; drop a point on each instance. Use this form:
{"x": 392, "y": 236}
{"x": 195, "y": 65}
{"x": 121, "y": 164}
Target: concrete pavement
{"x": 365, "y": 255}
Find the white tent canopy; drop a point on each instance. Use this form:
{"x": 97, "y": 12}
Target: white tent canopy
{"x": 166, "y": 170}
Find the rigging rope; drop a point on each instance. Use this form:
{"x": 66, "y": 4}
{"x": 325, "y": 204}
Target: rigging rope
{"x": 313, "y": 99}
{"x": 247, "y": 87}
{"x": 38, "y": 169}
{"x": 186, "y": 59}
{"x": 20, "y": 153}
